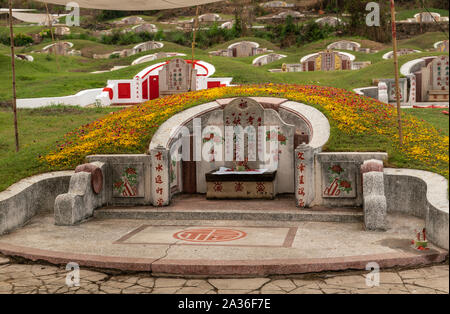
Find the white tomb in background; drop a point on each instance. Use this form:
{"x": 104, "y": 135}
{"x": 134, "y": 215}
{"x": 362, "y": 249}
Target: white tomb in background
{"x": 266, "y": 59}
{"x": 169, "y": 77}
{"x": 241, "y": 49}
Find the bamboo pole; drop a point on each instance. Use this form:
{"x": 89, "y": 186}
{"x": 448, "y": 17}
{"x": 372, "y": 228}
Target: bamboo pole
{"x": 53, "y": 37}
{"x": 13, "y": 66}
{"x": 193, "y": 44}
{"x": 397, "y": 87}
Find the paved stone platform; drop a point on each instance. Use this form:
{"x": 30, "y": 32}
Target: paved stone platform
{"x": 197, "y": 207}
{"x": 189, "y": 247}
{"x": 43, "y": 279}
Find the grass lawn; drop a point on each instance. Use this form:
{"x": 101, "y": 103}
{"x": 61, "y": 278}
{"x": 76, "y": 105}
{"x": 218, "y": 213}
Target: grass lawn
{"x": 39, "y": 129}
{"x": 41, "y": 78}
{"x": 433, "y": 116}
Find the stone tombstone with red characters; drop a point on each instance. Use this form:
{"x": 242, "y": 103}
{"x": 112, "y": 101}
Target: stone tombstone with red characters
{"x": 176, "y": 77}
{"x": 240, "y": 114}
{"x": 439, "y": 76}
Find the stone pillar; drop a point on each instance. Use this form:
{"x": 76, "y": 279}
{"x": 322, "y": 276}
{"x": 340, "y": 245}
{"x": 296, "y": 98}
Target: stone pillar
{"x": 375, "y": 206}
{"x": 304, "y": 175}
{"x": 160, "y": 178}
{"x": 383, "y": 95}
{"x": 412, "y": 90}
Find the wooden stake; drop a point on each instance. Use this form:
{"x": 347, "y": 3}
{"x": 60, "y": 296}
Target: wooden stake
{"x": 53, "y": 38}
{"x": 193, "y": 44}
{"x": 397, "y": 87}
{"x": 13, "y": 66}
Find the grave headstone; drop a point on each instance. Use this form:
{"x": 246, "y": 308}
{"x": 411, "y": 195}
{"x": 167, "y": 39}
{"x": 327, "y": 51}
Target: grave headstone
{"x": 177, "y": 76}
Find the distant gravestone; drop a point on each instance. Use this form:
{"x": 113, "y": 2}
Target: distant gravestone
{"x": 427, "y": 17}
{"x": 147, "y": 27}
{"x": 443, "y": 46}
{"x": 62, "y": 30}
{"x": 344, "y": 45}
{"x": 209, "y": 17}
{"x": 176, "y": 77}
{"x": 293, "y": 14}
{"x": 132, "y": 20}
{"x": 327, "y": 61}
{"x": 243, "y": 49}
{"x": 60, "y": 48}
{"x": 438, "y": 88}
{"x": 329, "y": 20}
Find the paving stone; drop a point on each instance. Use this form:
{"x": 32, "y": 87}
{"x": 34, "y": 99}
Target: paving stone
{"x": 285, "y": 284}
{"x": 267, "y": 291}
{"x": 169, "y": 282}
{"x": 428, "y": 272}
{"x": 193, "y": 290}
{"x": 167, "y": 290}
{"x": 136, "y": 290}
{"x": 419, "y": 290}
{"x": 127, "y": 279}
{"x": 305, "y": 290}
{"x": 86, "y": 275}
{"x": 5, "y": 287}
{"x": 271, "y": 287}
{"x": 146, "y": 282}
{"x": 391, "y": 278}
{"x": 234, "y": 291}
{"x": 334, "y": 291}
{"x": 347, "y": 281}
{"x": 110, "y": 290}
{"x": 39, "y": 270}
{"x": 117, "y": 284}
{"x": 43, "y": 279}
{"x": 238, "y": 284}
{"x": 302, "y": 282}
{"x": 28, "y": 282}
{"x": 440, "y": 283}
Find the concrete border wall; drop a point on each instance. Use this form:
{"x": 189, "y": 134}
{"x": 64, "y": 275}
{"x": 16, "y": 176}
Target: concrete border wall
{"x": 422, "y": 194}
{"x": 31, "y": 196}
{"x": 83, "y": 99}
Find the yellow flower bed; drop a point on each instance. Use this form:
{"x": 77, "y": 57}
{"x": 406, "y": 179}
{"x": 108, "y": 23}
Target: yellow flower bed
{"x": 130, "y": 130}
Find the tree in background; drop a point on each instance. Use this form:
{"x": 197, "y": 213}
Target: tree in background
{"x": 356, "y": 25}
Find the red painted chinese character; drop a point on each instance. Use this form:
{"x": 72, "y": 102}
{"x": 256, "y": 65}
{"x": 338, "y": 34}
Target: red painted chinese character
{"x": 158, "y": 179}
{"x": 300, "y": 156}
{"x": 160, "y": 202}
{"x": 301, "y": 191}
{"x": 159, "y": 191}
{"x": 158, "y": 156}
{"x": 301, "y": 167}
{"x": 239, "y": 187}
{"x": 159, "y": 167}
{"x": 300, "y": 180}
{"x": 301, "y": 203}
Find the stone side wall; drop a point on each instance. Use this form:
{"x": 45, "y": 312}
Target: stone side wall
{"x": 338, "y": 178}
{"x": 422, "y": 194}
{"x": 133, "y": 171}
{"x": 31, "y": 196}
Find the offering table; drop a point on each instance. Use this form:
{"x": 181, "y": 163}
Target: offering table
{"x": 257, "y": 184}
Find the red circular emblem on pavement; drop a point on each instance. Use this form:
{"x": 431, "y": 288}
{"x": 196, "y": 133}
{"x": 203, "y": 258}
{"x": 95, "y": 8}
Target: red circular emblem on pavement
{"x": 209, "y": 235}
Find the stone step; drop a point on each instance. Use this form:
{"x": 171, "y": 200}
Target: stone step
{"x": 166, "y": 213}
